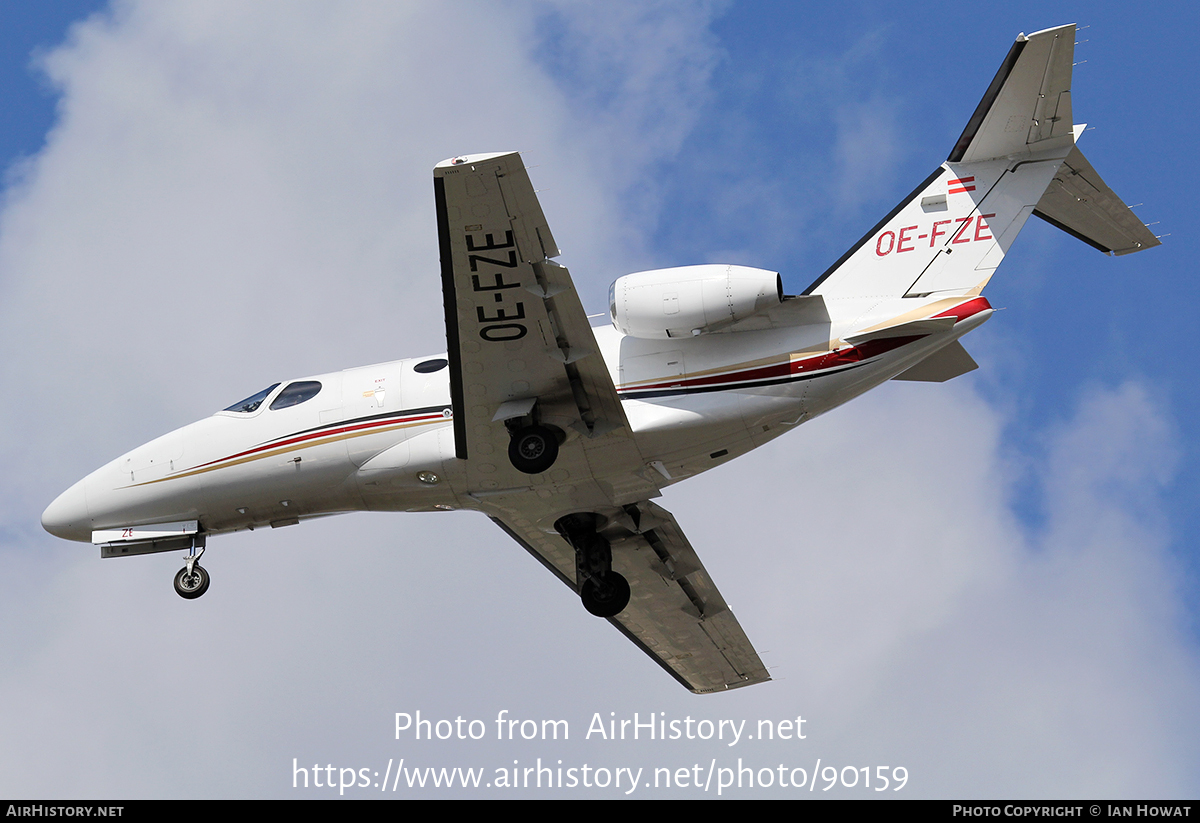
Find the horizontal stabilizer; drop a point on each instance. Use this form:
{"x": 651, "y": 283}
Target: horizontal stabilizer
{"x": 1082, "y": 204}
{"x": 1028, "y": 105}
{"x": 944, "y": 365}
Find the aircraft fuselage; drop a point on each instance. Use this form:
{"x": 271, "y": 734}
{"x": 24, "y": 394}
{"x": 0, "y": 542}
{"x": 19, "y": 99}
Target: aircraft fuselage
{"x": 378, "y": 437}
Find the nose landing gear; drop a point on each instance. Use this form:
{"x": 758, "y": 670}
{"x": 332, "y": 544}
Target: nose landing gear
{"x": 192, "y": 580}
{"x": 191, "y": 583}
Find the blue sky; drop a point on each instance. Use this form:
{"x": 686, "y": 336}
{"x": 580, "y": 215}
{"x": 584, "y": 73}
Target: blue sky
{"x": 27, "y": 30}
{"x": 992, "y": 581}
{"x": 781, "y": 101}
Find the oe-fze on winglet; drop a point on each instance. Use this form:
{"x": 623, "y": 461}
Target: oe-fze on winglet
{"x": 563, "y": 434}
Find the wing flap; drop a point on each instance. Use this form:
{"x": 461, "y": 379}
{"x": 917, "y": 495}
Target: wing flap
{"x": 676, "y": 603}
{"x": 599, "y": 406}
{"x": 676, "y": 613}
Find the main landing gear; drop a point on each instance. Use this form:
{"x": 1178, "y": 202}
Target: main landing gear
{"x": 532, "y": 446}
{"x": 533, "y": 449}
{"x": 605, "y": 593}
{"x": 605, "y": 596}
{"x": 192, "y": 580}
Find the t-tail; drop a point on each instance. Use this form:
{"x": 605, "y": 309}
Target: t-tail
{"x": 1016, "y": 157}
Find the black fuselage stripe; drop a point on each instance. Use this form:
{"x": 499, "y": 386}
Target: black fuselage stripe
{"x": 635, "y": 394}
{"x": 366, "y": 419}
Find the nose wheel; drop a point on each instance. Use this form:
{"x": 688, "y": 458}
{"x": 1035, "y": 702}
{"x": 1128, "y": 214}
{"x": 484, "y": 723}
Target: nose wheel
{"x": 192, "y": 583}
{"x": 192, "y": 580}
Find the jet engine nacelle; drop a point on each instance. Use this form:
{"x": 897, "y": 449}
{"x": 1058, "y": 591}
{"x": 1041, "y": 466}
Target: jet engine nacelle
{"x": 690, "y": 300}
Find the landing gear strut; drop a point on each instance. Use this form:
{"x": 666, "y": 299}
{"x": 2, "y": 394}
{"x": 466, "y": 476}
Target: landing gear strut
{"x": 605, "y": 593}
{"x": 192, "y": 580}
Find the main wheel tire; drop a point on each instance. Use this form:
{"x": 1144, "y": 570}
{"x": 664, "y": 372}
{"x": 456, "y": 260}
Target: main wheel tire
{"x": 608, "y": 600}
{"x": 533, "y": 450}
{"x": 191, "y": 586}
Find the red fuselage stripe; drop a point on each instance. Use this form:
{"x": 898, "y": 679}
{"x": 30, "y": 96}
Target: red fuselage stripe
{"x": 323, "y": 433}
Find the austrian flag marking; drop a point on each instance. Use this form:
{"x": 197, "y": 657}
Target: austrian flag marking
{"x": 960, "y": 185}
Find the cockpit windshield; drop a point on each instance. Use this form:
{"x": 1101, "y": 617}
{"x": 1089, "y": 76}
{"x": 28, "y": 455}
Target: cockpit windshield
{"x": 296, "y": 393}
{"x": 252, "y": 402}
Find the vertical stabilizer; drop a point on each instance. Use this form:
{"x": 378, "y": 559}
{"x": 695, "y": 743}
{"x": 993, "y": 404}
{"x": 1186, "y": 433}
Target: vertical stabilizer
{"x": 948, "y": 236}
{"x": 1027, "y": 108}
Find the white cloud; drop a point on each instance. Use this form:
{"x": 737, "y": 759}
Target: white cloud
{"x": 926, "y": 622}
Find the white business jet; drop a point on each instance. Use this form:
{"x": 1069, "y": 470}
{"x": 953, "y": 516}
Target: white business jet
{"x": 563, "y": 434}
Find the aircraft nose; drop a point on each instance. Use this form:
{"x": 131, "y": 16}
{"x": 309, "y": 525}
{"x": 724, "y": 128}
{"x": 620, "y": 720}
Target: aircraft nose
{"x": 67, "y": 517}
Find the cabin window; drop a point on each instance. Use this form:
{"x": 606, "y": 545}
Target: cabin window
{"x": 430, "y": 366}
{"x": 296, "y": 393}
{"x": 252, "y": 402}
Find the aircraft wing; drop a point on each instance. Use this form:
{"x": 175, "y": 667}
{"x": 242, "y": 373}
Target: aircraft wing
{"x": 519, "y": 346}
{"x": 518, "y": 338}
{"x": 676, "y": 615}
